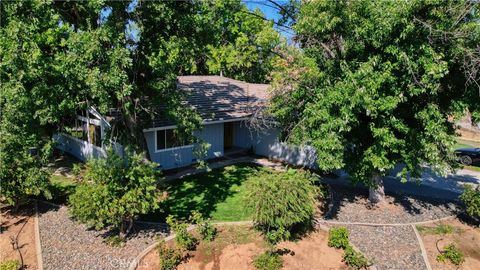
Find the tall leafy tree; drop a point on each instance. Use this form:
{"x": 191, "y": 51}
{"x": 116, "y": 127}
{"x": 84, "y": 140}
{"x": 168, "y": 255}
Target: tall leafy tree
{"x": 383, "y": 83}
{"x": 57, "y": 57}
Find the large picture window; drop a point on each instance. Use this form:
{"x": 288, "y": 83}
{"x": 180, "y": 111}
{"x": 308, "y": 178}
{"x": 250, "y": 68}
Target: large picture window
{"x": 166, "y": 139}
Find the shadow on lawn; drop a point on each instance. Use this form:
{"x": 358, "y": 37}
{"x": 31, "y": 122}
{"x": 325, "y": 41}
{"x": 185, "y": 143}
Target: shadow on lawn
{"x": 201, "y": 192}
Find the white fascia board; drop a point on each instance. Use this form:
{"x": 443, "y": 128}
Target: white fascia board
{"x": 203, "y": 123}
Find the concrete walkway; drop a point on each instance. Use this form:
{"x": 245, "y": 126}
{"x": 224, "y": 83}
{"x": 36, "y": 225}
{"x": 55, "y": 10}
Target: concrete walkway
{"x": 226, "y": 162}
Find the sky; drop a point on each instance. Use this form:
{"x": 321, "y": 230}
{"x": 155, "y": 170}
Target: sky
{"x": 270, "y": 12}
{"x": 268, "y": 9}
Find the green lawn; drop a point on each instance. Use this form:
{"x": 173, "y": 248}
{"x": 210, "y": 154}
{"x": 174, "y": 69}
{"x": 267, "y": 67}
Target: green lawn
{"x": 462, "y": 145}
{"x": 472, "y": 168}
{"x": 61, "y": 187}
{"x": 217, "y": 194}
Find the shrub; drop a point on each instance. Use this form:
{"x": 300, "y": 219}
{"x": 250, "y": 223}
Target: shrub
{"x": 354, "y": 258}
{"x": 169, "y": 258}
{"x": 338, "y": 238}
{"x": 22, "y": 175}
{"x": 115, "y": 192}
{"x": 268, "y": 261}
{"x": 451, "y": 253}
{"x": 282, "y": 200}
{"x": 10, "y": 265}
{"x": 471, "y": 199}
{"x": 183, "y": 239}
{"x": 204, "y": 226}
{"x": 115, "y": 241}
{"x": 77, "y": 169}
{"x": 274, "y": 236}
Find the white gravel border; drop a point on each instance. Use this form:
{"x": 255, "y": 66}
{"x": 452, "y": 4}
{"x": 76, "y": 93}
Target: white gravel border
{"x": 422, "y": 248}
{"x": 38, "y": 246}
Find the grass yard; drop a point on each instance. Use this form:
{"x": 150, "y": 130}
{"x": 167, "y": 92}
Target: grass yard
{"x": 462, "y": 143}
{"x": 217, "y": 194}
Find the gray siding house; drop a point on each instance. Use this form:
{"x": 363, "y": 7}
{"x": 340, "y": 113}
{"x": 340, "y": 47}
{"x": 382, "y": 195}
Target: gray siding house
{"x": 225, "y": 105}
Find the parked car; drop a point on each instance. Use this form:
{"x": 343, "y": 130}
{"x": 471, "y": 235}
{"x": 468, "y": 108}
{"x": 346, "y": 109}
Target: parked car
{"x": 468, "y": 156}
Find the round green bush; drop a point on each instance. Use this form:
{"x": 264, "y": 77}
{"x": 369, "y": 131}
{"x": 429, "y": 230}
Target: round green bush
{"x": 282, "y": 200}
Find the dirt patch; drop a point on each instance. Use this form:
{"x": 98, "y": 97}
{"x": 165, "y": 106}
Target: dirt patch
{"x": 312, "y": 252}
{"x": 465, "y": 237}
{"x": 236, "y": 246}
{"x": 22, "y": 224}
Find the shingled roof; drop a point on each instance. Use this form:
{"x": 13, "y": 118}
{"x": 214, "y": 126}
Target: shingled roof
{"x": 218, "y": 98}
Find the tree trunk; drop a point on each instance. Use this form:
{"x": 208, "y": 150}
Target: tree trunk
{"x": 376, "y": 193}
{"x": 126, "y": 227}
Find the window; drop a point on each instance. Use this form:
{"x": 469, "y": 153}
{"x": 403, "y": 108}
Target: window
{"x": 167, "y": 138}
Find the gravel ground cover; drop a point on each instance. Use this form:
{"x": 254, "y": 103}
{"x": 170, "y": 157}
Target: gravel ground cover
{"x": 70, "y": 245}
{"x": 388, "y": 247}
{"x": 350, "y": 204}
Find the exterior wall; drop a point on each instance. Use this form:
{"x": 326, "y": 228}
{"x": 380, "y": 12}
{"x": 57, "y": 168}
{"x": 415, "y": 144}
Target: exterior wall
{"x": 266, "y": 143}
{"x": 82, "y": 149}
{"x": 183, "y": 156}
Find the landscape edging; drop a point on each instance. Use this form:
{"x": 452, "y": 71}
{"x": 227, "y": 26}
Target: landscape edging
{"x": 382, "y": 224}
{"x": 422, "y": 248}
{"x": 38, "y": 245}
{"x": 139, "y": 257}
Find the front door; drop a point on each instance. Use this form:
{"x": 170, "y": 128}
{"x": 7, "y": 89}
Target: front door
{"x": 227, "y": 135}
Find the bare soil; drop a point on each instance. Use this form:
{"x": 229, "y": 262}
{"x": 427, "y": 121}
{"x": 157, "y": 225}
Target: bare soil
{"x": 20, "y": 226}
{"x": 465, "y": 237}
{"x": 235, "y": 247}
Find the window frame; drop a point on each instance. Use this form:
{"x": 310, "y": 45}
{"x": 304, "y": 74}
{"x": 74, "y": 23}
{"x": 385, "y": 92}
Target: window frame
{"x": 165, "y": 143}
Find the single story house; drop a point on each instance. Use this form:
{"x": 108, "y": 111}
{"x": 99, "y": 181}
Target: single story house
{"x": 225, "y": 105}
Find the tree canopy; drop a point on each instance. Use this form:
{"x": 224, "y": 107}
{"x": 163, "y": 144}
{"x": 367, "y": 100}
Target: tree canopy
{"x": 57, "y": 57}
{"x": 378, "y": 83}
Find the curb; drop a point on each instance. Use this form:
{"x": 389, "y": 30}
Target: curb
{"x": 38, "y": 246}
{"x": 422, "y": 248}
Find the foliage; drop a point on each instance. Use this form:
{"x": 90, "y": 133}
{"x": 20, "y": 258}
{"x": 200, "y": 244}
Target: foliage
{"x": 338, "y": 238}
{"x": 268, "y": 261}
{"x": 21, "y": 174}
{"x": 62, "y": 56}
{"x": 182, "y": 237}
{"x": 355, "y": 259}
{"x": 77, "y": 169}
{"x": 169, "y": 258}
{"x": 10, "y": 265}
{"x": 204, "y": 226}
{"x": 115, "y": 192}
{"x": 471, "y": 198}
{"x": 452, "y": 254}
{"x": 115, "y": 241}
{"x": 381, "y": 83}
{"x": 439, "y": 229}
{"x": 282, "y": 200}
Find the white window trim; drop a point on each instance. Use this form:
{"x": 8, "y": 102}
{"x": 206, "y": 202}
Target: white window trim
{"x": 171, "y": 148}
{"x": 174, "y": 148}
